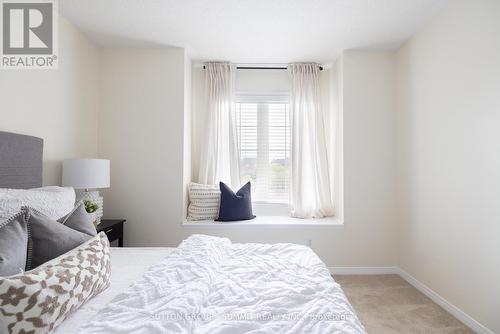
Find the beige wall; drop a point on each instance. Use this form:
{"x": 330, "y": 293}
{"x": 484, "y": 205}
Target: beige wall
{"x": 188, "y": 133}
{"x": 61, "y": 106}
{"x": 141, "y": 130}
{"x": 369, "y": 157}
{"x": 449, "y": 157}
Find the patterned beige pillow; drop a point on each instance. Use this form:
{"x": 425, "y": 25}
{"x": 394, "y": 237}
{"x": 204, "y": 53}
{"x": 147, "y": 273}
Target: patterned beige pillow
{"x": 37, "y": 301}
{"x": 204, "y": 201}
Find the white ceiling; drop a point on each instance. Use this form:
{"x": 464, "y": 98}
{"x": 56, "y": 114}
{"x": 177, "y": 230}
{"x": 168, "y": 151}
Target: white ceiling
{"x": 252, "y": 31}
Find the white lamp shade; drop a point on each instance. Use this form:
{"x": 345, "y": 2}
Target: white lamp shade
{"x": 86, "y": 173}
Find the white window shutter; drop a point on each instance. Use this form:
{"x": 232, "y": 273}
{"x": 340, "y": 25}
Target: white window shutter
{"x": 263, "y": 125}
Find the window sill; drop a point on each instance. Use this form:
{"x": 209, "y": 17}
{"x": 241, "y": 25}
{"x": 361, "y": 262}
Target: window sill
{"x": 268, "y": 222}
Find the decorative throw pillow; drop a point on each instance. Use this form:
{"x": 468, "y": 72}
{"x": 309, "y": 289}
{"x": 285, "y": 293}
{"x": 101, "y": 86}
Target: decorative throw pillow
{"x": 38, "y": 301}
{"x": 204, "y": 201}
{"x": 49, "y": 238}
{"x": 54, "y": 202}
{"x": 80, "y": 220}
{"x": 235, "y": 206}
{"x": 13, "y": 244}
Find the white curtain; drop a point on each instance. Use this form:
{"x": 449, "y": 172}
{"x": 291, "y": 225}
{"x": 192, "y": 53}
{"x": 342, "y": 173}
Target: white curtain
{"x": 310, "y": 194}
{"x": 219, "y": 160}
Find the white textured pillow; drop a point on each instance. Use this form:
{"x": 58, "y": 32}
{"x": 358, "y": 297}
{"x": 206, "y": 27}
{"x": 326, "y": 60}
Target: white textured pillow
{"x": 204, "y": 201}
{"x": 53, "y": 202}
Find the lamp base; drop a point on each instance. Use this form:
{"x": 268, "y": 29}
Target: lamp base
{"x": 93, "y": 197}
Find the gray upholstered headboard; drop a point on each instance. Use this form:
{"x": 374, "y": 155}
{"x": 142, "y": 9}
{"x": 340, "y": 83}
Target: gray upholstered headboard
{"x": 21, "y": 159}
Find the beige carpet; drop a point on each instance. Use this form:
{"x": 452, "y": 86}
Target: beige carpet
{"x": 387, "y": 304}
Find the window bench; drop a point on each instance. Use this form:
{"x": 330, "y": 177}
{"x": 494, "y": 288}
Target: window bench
{"x": 268, "y": 222}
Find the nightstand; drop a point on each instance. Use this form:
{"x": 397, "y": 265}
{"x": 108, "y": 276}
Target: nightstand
{"x": 113, "y": 229}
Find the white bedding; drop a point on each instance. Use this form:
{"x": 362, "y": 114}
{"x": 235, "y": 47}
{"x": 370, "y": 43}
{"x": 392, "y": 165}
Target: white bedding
{"x": 127, "y": 266}
{"x": 54, "y": 202}
{"x": 209, "y": 285}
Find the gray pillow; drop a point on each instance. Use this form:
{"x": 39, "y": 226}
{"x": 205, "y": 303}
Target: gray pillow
{"x": 49, "y": 238}
{"x": 80, "y": 220}
{"x": 13, "y": 244}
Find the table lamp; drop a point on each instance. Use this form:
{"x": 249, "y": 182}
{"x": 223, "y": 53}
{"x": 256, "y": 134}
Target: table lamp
{"x": 86, "y": 176}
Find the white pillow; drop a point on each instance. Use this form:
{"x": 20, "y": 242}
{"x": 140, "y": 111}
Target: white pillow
{"x": 204, "y": 201}
{"x": 54, "y": 202}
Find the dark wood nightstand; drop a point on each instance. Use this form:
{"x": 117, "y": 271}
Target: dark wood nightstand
{"x": 113, "y": 229}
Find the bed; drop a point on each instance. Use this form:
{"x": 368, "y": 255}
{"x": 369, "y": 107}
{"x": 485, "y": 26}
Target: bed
{"x": 205, "y": 285}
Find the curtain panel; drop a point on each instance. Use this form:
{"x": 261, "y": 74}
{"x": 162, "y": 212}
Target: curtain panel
{"x": 310, "y": 195}
{"x": 219, "y": 159}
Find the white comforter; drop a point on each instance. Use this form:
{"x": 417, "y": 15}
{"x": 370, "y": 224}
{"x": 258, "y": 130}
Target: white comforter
{"x": 210, "y": 285}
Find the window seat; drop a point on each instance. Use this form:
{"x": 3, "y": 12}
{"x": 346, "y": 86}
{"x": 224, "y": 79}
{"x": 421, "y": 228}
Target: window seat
{"x": 268, "y": 222}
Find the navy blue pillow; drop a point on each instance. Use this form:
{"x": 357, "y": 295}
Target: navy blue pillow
{"x": 235, "y": 206}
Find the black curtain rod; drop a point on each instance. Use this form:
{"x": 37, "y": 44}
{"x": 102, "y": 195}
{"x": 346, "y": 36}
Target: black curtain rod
{"x": 262, "y": 68}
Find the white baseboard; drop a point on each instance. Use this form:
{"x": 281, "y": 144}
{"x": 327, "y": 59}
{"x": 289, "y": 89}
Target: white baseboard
{"x": 452, "y": 309}
{"x": 362, "y": 270}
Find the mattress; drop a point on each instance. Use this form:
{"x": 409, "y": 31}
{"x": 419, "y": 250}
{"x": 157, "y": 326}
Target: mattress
{"x": 128, "y": 264}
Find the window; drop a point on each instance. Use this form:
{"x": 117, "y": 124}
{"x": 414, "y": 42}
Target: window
{"x": 263, "y": 125}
